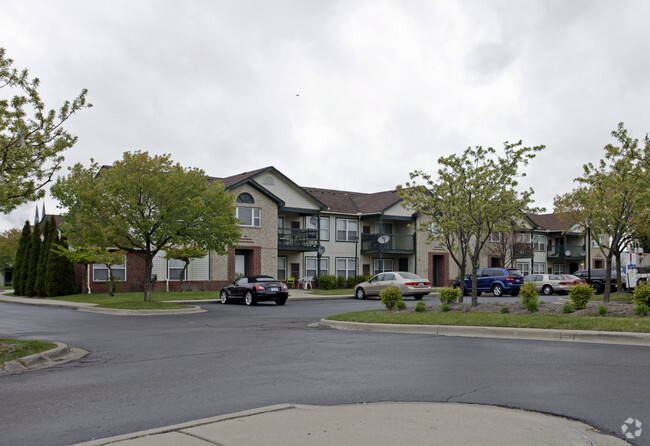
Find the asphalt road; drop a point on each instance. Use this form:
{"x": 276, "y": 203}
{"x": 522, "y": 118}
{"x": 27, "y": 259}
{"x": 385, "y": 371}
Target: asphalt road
{"x": 145, "y": 372}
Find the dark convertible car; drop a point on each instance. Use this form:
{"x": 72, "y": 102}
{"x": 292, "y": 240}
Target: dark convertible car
{"x": 253, "y": 289}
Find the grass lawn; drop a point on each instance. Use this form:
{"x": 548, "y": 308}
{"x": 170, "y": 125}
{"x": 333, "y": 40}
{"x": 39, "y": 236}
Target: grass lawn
{"x": 500, "y": 320}
{"x": 135, "y": 301}
{"x": 614, "y": 297}
{"x": 11, "y": 349}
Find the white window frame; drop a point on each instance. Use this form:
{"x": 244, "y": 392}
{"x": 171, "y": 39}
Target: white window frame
{"x": 558, "y": 268}
{"x": 524, "y": 268}
{"x": 495, "y": 237}
{"x": 522, "y": 237}
{"x": 255, "y": 216}
{"x": 349, "y": 266}
{"x": 540, "y": 244}
{"x": 601, "y": 239}
{"x": 311, "y": 266}
{"x": 101, "y": 267}
{"x": 343, "y": 225}
{"x": 175, "y": 265}
{"x": 539, "y": 268}
{"x": 283, "y": 270}
{"x": 388, "y": 264}
{"x": 324, "y": 227}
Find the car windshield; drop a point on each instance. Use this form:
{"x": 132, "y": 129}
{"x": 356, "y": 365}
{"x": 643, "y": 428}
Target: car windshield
{"x": 515, "y": 272}
{"x": 265, "y": 279}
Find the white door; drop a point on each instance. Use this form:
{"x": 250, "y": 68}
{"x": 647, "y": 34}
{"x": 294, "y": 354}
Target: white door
{"x": 240, "y": 264}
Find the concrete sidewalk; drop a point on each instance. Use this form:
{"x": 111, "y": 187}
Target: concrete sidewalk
{"x": 375, "y": 424}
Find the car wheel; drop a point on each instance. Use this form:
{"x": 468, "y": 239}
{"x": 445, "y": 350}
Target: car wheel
{"x": 249, "y": 299}
{"x": 597, "y": 288}
{"x": 547, "y": 290}
{"x": 360, "y": 293}
{"x": 497, "y": 290}
{"x": 281, "y": 301}
{"x": 223, "y": 297}
{"x": 418, "y": 296}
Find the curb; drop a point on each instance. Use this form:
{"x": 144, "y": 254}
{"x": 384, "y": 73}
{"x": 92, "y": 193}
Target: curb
{"x": 120, "y": 312}
{"x": 58, "y": 355}
{"x": 535, "y": 334}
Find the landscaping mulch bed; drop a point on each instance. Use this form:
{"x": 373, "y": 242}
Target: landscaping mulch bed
{"x": 615, "y": 309}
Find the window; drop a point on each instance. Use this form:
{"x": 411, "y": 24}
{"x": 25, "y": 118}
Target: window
{"x": 100, "y": 272}
{"x": 281, "y": 222}
{"x": 387, "y": 265}
{"x": 311, "y": 264}
{"x": 522, "y": 237}
{"x": 558, "y": 268}
{"x": 249, "y": 216}
{"x": 175, "y": 269}
{"x": 539, "y": 242}
{"x": 601, "y": 239}
{"x": 282, "y": 268}
{"x": 346, "y": 230}
{"x": 524, "y": 268}
{"x": 539, "y": 268}
{"x": 346, "y": 267}
{"x": 245, "y": 198}
{"x": 495, "y": 237}
{"x": 311, "y": 223}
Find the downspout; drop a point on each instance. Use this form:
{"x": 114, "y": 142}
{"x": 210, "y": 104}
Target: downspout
{"x": 88, "y": 277}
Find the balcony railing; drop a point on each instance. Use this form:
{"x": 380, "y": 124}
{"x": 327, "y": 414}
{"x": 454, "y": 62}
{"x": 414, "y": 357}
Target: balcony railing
{"x": 298, "y": 239}
{"x": 522, "y": 250}
{"x": 398, "y": 243}
{"x": 569, "y": 252}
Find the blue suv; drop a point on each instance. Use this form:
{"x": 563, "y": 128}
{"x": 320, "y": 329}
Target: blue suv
{"x": 495, "y": 280}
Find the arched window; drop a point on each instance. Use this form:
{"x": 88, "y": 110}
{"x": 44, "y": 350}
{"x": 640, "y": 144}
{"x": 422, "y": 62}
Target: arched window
{"x": 245, "y": 198}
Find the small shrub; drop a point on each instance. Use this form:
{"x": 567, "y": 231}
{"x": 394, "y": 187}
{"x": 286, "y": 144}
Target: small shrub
{"x": 390, "y": 296}
{"x": 445, "y": 307}
{"x": 532, "y": 306}
{"x": 567, "y": 308}
{"x": 327, "y": 282}
{"x": 528, "y": 293}
{"x": 580, "y": 295}
{"x": 420, "y": 307}
{"x": 505, "y": 310}
{"x": 642, "y": 294}
{"x": 363, "y": 278}
{"x": 602, "y": 310}
{"x": 641, "y": 310}
{"x": 400, "y": 305}
{"x": 449, "y": 295}
{"x": 340, "y": 282}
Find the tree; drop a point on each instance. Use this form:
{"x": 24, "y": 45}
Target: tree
{"x": 32, "y": 262}
{"x": 46, "y": 245}
{"x": 23, "y": 249}
{"x": 92, "y": 255}
{"x": 9, "y": 241}
{"x": 613, "y": 198}
{"x": 143, "y": 205}
{"x": 474, "y": 196}
{"x": 59, "y": 274}
{"x": 185, "y": 253}
{"x": 31, "y": 137}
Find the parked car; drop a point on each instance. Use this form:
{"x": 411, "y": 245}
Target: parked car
{"x": 409, "y": 284}
{"x": 495, "y": 280}
{"x": 597, "y": 279}
{"x": 575, "y": 279}
{"x": 548, "y": 284}
{"x": 253, "y": 289}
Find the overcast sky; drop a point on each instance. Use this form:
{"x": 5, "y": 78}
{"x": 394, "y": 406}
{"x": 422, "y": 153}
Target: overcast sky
{"x": 349, "y": 95}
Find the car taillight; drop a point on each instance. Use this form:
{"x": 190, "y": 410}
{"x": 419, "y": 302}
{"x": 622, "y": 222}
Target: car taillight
{"x": 259, "y": 287}
{"x": 510, "y": 278}
{"x": 564, "y": 283}
{"x": 284, "y": 287}
{"x": 412, "y": 283}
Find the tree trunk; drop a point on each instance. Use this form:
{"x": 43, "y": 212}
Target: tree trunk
{"x": 463, "y": 268}
{"x": 474, "y": 282}
{"x": 608, "y": 278}
{"x": 148, "y": 267}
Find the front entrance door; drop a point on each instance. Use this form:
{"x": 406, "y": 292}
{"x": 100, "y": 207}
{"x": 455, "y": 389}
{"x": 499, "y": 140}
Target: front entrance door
{"x": 403, "y": 264}
{"x": 241, "y": 263}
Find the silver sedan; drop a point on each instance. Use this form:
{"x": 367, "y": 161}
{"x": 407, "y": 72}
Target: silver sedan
{"x": 409, "y": 284}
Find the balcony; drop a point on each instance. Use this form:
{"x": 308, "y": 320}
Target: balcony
{"x": 298, "y": 239}
{"x": 565, "y": 252}
{"x": 398, "y": 244}
{"x": 520, "y": 250}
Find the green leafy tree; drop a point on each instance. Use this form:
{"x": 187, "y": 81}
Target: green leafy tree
{"x": 186, "y": 254}
{"x": 613, "y": 198}
{"x": 32, "y": 137}
{"x": 20, "y": 271}
{"x": 474, "y": 196}
{"x": 32, "y": 262}
{"x": 143, "y": 205}
{"x": 9, "y": 241}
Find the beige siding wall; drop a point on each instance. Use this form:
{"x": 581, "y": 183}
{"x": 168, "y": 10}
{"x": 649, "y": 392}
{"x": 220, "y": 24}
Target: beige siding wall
{"x": 285, "y": 191}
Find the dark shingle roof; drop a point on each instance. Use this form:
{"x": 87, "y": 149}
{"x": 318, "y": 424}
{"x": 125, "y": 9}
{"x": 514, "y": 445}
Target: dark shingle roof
{"x": 354, "y": 202}
{"x": 550, "y": 222}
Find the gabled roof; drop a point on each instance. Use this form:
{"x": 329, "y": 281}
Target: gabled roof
{"x": 549, "y": 222}
{"x": 347, "y": 202}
